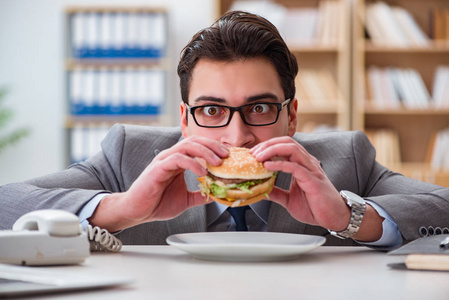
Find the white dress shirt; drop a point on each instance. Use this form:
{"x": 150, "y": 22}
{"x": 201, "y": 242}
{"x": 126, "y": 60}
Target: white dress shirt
{"x": 219, "y": 219}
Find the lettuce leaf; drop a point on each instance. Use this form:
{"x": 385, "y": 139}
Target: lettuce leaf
{"x": 220, "y": 191}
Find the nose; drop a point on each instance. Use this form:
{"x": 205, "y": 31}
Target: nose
{"x": 237, "y": 133}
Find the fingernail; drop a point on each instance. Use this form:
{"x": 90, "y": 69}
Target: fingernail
{"x": 258, "y": 153}
{"x": 224, "y": 150}
{"x": 254, "y": 150}
{"x": 217, "y": 159}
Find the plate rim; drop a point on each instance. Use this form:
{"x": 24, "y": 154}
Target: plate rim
{"x": 320, "y": 240}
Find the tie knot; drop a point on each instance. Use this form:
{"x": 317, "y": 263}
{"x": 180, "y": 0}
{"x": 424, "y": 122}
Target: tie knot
{"x": 238, "y": 214}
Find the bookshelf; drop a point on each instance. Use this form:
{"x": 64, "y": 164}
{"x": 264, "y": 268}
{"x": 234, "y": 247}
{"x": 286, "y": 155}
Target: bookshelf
{"x": 323, "y": 53}
{"x": 116, "y": 72}
{"x": 395, "y": 58}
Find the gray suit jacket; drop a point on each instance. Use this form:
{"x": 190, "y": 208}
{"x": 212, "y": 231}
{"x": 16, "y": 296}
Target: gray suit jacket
{"x": 348, "y": 159}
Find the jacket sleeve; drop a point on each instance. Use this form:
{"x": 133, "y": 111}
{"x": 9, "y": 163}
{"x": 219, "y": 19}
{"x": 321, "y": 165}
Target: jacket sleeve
{"x": 70, "y": 189}
{"x": 411, "y": 203}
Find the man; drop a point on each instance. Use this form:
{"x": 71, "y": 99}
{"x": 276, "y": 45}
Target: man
{"x": 144, "y": 182}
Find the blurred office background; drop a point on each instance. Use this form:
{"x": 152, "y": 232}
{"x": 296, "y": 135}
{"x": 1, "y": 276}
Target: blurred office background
{"x": 33, "y": 55}
{"x": 377, "y": 66}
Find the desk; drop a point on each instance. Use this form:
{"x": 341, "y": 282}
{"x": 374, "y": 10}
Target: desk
{"x": 163, "y": 272}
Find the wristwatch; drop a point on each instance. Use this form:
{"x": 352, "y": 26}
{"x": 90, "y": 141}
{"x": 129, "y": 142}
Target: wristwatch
{"x": 358, "y": 207}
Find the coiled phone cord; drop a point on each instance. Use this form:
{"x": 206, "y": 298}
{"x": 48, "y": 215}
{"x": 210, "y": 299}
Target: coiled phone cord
{"x": 102, "y": 240}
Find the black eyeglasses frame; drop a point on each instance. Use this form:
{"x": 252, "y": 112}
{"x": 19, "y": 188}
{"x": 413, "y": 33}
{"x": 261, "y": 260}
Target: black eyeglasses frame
{"x": 280, "y": 107}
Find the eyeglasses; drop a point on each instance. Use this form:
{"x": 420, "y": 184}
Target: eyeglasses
{"x": 256, "y": 114}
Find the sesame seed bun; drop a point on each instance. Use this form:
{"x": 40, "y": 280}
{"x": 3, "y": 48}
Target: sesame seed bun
{"x": 240, "y": 164}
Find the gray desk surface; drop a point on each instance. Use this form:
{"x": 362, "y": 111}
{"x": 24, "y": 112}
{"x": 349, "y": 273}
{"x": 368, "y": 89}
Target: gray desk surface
{"x": 163, "y": 272}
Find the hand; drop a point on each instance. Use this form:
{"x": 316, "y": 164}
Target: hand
{"x": 312, "y": 197}
{"x": 160, "y": 192}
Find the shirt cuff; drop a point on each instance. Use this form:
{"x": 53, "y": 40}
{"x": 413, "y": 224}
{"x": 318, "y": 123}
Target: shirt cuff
{"x": 88, "y": 210}
{"x": 391, "y": 236}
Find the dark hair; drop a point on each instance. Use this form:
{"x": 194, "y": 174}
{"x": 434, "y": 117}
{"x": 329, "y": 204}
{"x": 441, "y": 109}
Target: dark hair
{"x": 234, "y": 36}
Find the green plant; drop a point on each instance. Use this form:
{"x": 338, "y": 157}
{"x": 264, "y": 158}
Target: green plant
{"x": 9, "y": 137}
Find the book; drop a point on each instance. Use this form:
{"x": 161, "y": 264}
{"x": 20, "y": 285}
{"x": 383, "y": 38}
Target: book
{"x": 317, "y": 88}
{"x": 85, "y": 141}
{"x": 438, "y": 24}
{"x": 440, "y": 147}
{"x": 393, "y": 26}
{"x": 391, "y": 87}
{"x": 414, "y": 33}
{"x": 421, "y": 92}
{"x": 425, "y": 253}
{"x": 108, "y": 91}
{"x": 440, "y": 89}
{"x": 386, "y": 143}
{"x": 300, "y": 26}
{"x": 106, "y": 35}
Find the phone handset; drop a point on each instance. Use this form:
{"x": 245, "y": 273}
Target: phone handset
{"x": 58, "y": 223}
{"x": 48, "y": 237}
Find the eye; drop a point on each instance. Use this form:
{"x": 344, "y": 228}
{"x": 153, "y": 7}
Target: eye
{"x": 211, "y": 110}
{"x": 260, "y": 108}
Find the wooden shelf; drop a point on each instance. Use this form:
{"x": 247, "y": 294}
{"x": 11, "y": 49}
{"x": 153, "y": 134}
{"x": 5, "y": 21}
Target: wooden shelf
{"x": 414, "y": 127}
{"x": 405, "y": 112}
{"x": 317, "y": 110}
{"x": 133, "y": 63}
{"x": 109, "y": 120}
{"x": 434, "y": 47}
{"x": 114, "y": 9}
{"x": 313, "y": 48}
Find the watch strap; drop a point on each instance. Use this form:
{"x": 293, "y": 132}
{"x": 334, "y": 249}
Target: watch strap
{"x": 358, "y": 207}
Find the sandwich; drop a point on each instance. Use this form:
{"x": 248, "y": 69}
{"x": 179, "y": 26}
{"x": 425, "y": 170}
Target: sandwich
{"x": 240, "y": 180}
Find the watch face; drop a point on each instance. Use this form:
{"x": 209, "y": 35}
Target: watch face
{"x": 351, "y": 197}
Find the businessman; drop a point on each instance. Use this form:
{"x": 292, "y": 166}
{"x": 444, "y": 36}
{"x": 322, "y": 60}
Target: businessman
{"x": 237, "y": 89}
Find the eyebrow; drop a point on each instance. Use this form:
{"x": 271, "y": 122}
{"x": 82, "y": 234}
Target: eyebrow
{"x": 209, "y": 98}
{"x": 250, "y": 99}
{"x": 262, "y": 96}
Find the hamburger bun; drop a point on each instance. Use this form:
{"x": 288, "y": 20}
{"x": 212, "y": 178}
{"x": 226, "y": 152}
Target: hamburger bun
{"x": 240, "y": 180}
{"x": 240, "y": 164}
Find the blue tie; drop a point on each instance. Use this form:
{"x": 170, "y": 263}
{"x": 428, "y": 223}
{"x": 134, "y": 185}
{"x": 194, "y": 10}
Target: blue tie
{"x": 238, "y": 214}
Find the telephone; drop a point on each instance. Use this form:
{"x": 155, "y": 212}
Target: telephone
{"x": 50, "y": 237}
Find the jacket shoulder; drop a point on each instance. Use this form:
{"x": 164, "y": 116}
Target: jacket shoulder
{"x": 154, "y": 135}
{"x": 328, "y": 136}
{"x": 335, "y": 142}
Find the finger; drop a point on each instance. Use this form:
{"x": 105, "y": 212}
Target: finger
{"x": 279, "y": 196}
{"x": 195, "y": 199}
{"x": 211, "y": 153}
{"x": 217, "y": 147}
{"x": 164, "y": 170}
{"x": 299, "y": 172}
{"x": 261, "y": 146}
{"x": 290, "y": 152}
{"x": 298, "y": 207}
{"x": 280, "y": 142}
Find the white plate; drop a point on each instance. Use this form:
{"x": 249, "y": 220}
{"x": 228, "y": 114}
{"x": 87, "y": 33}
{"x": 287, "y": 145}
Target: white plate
{"x": 245, "y": 246}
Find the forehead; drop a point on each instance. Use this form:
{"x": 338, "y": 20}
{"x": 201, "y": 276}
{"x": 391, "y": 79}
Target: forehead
{"x": 234, "y": 82}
